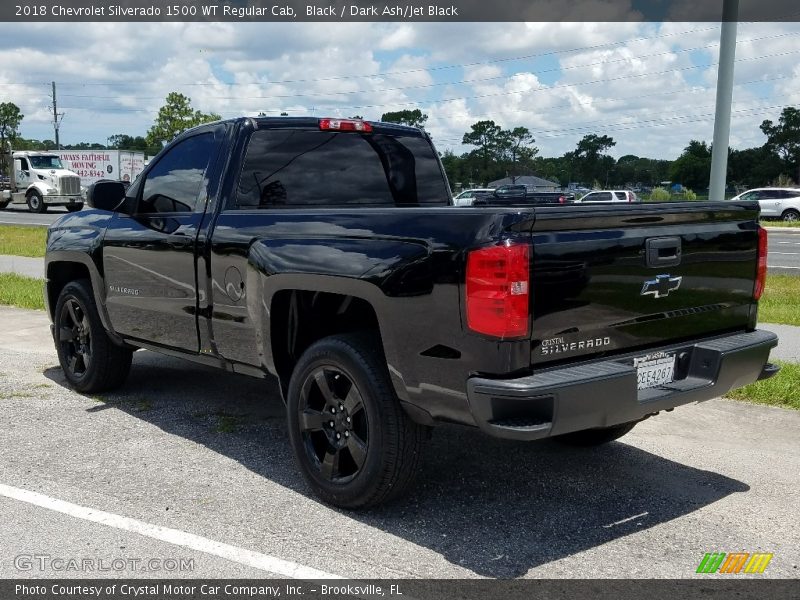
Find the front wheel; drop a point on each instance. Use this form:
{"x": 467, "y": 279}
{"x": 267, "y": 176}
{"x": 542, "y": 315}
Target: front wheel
{"x": 596, "y": 437}
{"x": 36, "y": 202}
{"x": 74, "y": 207}
{"x": 3, "y": 205}
{"x": 353, "y": 443}
{"x": 791, "y": 216}
{"x": 90, "y": 360}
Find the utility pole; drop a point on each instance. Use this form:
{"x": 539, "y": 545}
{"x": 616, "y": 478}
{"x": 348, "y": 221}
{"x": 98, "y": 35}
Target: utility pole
{"x": 722, "y": 117}
{"x": 56, "y": 117}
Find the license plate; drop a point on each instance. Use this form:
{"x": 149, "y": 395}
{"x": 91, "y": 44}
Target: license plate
{"x": 654, "y": 370}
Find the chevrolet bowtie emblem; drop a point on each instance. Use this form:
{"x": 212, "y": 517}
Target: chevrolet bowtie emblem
{"x": 661, "y": 286}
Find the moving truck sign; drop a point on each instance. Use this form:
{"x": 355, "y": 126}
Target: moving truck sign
{"x": 93, "y": 165}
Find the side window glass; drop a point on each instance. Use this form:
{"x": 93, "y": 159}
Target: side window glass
{"x": 621, "y": 195}
{"x": 174, "y": 183}
{"x": 24, "y": 164}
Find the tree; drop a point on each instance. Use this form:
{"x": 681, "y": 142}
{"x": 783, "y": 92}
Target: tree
{"x": 754, "y": 167}
{"x": 784, "y": 138}
{"x": 175, "y": 116}
{"x": 485, "y": 135}
{"x": 693, "y": 168}
{"x": 522, "y": 153}
{"x": 589, "y": 159}
{"x": 412, "y": 118}
{"x": 10, "y": 119}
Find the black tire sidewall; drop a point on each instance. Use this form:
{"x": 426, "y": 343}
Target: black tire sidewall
{"x": 372, "y": 385}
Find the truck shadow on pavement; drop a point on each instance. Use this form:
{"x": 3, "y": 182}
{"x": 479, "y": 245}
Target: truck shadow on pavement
{"x": 493, "y": 507}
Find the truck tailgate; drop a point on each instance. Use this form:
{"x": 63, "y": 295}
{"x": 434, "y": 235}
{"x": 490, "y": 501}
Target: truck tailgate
{"x": 615, "y": 279}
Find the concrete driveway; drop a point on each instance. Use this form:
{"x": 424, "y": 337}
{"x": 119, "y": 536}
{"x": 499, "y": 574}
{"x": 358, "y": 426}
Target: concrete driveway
{"x": 203, "y": 456}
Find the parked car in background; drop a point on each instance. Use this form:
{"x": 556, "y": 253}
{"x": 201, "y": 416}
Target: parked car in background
{"x": 610, "y": 197}
{"x": 776, "y": 203}
{"x": 466, "y": 197}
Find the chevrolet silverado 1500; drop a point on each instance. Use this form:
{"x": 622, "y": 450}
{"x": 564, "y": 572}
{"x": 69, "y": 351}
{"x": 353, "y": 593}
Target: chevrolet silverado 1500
{"x": 327, "y": 253}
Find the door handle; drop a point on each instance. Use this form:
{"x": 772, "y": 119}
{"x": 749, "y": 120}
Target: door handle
{"x": 663, "y": 252}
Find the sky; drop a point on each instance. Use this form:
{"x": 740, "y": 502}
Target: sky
{"x": 650, "y": 86}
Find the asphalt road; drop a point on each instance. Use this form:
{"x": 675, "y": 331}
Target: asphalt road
{"x": 205, "y": 453}
{"x": 18, "y": 214}
{"x": 784, "y": 252}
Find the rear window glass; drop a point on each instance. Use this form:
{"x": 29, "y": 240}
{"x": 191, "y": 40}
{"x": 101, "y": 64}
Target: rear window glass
{"x": 621, "y": 195}
{"x": 291, "y": 168}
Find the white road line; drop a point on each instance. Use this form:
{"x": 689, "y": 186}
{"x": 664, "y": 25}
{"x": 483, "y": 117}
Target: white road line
{"x": 780, "y": 267}
{"x": 787, "y": 253}
{"x": 264, "y": 562}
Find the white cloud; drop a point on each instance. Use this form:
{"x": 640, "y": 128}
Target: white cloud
{"x": 650, "y": 86}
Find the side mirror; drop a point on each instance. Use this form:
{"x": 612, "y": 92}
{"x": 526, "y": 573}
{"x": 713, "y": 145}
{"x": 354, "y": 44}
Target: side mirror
{"x": 106, "y": 195}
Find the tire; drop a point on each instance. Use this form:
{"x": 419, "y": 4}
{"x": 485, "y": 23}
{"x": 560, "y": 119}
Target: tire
{"x": 595, "y": 437}
{"x": 3, "y": 205}
{"x": 36, "y": 203}
{"x": 791, "y": 216}
{"x": 343, "y": 380}
{"x": 90, "y": 360}
{"x": 74, "y": 207}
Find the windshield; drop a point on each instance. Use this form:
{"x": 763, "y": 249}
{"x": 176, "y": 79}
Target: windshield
{"x": 45, "y": 162}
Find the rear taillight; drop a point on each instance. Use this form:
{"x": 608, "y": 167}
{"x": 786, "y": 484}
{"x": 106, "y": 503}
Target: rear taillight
{"x": 562, "y": 199}
{"x": 630, "y": 196}
{"x": 761, "y": 270}
{"x": 498, "y": 290}
{"x": 345, "y": 125}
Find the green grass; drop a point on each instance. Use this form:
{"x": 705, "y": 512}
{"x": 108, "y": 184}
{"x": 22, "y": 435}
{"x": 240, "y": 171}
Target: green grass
{"x": 782, "y": 390}
{"x": 22, "y": 241}
{"x": 24, "y": 292}
{"x": 771, "y": 223}
{"x": 781, "y": 300}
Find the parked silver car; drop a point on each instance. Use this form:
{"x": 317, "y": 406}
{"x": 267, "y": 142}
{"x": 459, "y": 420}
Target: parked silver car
{"x": 776, "y": 203}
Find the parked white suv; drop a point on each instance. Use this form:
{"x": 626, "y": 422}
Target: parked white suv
{"x": 610, "y": 197}
{"x": 776, "y": 203}
{"x": 466, "y": 197}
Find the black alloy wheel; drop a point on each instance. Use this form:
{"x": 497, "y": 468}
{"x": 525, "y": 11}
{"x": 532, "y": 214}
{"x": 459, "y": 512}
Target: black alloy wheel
{"x": 333, "y": 424}
{"x": 74, "y": 338}
{"x": 352, "y": 441}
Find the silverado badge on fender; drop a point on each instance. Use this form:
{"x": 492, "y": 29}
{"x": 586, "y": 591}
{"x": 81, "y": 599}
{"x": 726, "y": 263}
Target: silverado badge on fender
{"x": 661, "y": 286}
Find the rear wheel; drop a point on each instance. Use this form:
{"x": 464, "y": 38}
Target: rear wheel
{"x": 596, "y": 437}
{"x": 36, "y": 203}
{"x": 353, "y": 443}
{"x": 791, "y": 216}
{"x": 90, "y": 360}
{"x": 3, "y": 205}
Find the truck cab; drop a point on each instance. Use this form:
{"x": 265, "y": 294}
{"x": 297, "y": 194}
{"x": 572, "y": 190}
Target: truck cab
{"x": 39, "y": 180}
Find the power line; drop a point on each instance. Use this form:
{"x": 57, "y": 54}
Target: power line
{"x": 440, "y": 84}
{"x": 410, "y": 71}
{"x": 512, "y": 92}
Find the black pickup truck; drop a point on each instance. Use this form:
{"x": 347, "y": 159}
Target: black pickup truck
{"x": 520, "y": 195}
{"x": 326, "y": 253}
